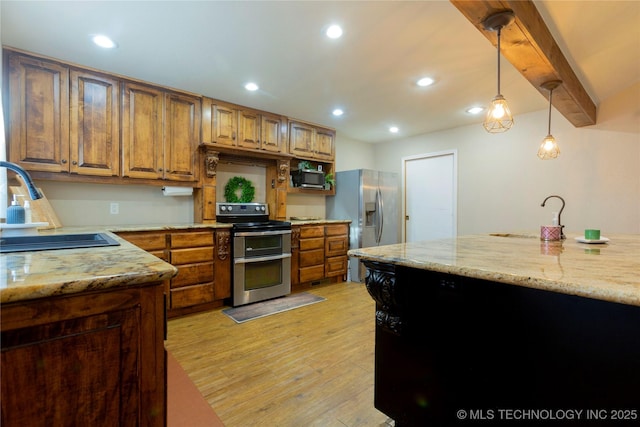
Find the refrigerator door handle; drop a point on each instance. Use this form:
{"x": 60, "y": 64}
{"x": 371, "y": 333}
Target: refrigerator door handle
{"x": 381, "y": 215}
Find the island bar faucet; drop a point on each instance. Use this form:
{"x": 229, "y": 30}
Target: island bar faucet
{"x": 562, "y": 236}
{"x": 31, "y": 187}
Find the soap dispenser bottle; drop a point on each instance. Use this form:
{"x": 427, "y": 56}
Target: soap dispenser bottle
{"x": 15, "y": 212}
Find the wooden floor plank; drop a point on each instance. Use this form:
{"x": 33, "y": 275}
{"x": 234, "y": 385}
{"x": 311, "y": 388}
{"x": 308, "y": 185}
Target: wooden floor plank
{"x": 312, "y": 366}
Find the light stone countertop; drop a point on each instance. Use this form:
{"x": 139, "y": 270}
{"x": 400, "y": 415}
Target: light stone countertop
{"x": 318, "y": 221}
{"x": 41, "y": 274}
{"x": 609, "y": 272}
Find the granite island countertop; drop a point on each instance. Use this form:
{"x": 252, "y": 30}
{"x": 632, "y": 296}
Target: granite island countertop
{"x": 608, "y": 271}
{"x": 41, "y": 274}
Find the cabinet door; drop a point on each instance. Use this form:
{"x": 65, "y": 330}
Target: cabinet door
{"x": 99, "y": 357}
{"x": 335, "y": 266}
{"x": 271, "y": 131}
{"x": 336, "y": 245}
{"x": 248, "y": 129}
{"x": 324, "y": 144}
{"x": 38, "y": 114}
{"x": 182, "y": 136}
{"x": 94, "y": 124}
{"x": 224, "y": 124}
{"x": 300, "y": 139}
{"x": 142, "y": 138}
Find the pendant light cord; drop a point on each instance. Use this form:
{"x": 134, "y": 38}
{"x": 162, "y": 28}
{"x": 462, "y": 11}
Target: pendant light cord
{"x": 499, "y": 30}
{"x": 550, "y": 95}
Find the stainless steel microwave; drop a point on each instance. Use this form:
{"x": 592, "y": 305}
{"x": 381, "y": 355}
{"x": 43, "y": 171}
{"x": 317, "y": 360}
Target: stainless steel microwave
{"x": 308, "y": 178}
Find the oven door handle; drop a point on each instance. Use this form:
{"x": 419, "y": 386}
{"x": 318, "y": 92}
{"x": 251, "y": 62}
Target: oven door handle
{"x": 261, "y": 258}
{"x": 261, "y": 233}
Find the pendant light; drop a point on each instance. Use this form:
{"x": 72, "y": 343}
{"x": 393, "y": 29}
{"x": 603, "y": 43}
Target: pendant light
{"x": 549, "y": 147}
{"x": 499, "y": 118}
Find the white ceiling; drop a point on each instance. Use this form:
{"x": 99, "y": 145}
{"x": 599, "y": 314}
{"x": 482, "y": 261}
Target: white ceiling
{"x": 214, "y": 47}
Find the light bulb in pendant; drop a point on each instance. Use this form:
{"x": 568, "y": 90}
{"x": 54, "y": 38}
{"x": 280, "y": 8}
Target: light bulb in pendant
{"x": 548, "y": 148}
{"x": 499, "y": 117}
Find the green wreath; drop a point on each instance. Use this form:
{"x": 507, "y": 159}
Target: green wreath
{"x": 234, "y": 185}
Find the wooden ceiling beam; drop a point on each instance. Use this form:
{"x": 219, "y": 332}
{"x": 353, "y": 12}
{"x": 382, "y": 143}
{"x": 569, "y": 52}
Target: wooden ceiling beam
{"x": 528, "y": 44}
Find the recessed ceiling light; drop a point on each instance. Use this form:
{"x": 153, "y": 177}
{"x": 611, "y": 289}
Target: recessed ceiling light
{"x": 393, "y": 129}
{"x": 103, "y": 41}
{"x": 337, "y": 112}
{"x": 334, "y": 32}
{"x": 475, "y": 110}
{"x": 425, "y": 81}
{"x": 251, "y": 86}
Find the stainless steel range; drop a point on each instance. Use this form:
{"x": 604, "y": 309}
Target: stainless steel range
{"x": 261, "y": 251}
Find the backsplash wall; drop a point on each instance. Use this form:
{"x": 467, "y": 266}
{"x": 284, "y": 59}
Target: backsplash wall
{"x": 79, "y": 204}
{"x": 84, "y": 204}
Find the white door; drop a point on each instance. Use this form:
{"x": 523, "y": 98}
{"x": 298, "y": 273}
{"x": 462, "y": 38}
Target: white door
{"x": 430, "y": 183}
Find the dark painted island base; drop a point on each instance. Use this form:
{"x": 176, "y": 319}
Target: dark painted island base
{"x": 457, "y": 351}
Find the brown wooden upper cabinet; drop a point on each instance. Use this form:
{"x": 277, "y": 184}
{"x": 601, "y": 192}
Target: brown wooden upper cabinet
{"x": 50, "y": 131}
{"x": 94, "y": 129}
{"x": 234, "y": 126}
{"x": 310, "y": 141}
{"x": 160, "y": 133}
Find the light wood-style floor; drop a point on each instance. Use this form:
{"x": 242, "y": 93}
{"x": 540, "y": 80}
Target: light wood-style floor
{"x": 312, "y": 366}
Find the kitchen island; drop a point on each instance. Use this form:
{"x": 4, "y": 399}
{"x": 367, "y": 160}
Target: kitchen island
{"x": 83, "y": 337}
{"x": 507, "y": 329}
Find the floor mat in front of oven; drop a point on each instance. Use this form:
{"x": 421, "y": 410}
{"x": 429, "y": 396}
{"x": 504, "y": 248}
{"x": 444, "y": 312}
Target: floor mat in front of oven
{"x": 266, "y": 308}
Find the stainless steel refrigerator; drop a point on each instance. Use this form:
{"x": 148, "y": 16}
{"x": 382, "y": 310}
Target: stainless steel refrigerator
{"x": 370, "y": 199}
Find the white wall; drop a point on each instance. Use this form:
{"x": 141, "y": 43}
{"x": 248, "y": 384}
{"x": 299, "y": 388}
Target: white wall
{"x": 352, "y": 154}
{"x": 501, "y": 182}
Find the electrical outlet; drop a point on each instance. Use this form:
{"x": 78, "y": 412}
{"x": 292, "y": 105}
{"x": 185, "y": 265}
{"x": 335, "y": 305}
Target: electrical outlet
{"x": 114, "y": 208}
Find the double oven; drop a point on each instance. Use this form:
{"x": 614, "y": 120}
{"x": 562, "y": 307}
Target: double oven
{"x": 261, "y": 248}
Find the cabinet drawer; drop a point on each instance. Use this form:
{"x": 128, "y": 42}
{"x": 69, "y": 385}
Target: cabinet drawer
{"x": 336, "y": 266}
{"x": 315, "y": 257}
{"x": 191, "y": 295}
{"x": 191, "y": 239}
{"x": 190, "y": 256}
{"x": 336, "y": 245}
{"x": 308, "y": 244}
{"x": 336, "y": 230}
{"x": 147, "y": 241}
{"x": 163, "y": 255}
{"x": 192, "y": 274}
{"x": 308, "y": 274}
{"x": 311, "y": 232}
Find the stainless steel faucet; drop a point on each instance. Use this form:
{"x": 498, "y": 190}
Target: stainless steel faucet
{"x": 562, "y": 236}
{"x": 31, "y": 187}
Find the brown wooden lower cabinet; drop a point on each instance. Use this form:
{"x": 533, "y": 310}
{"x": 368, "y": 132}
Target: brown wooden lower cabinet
{"x": 336, "y": 246}
{"x": 94, "y": 359}
{"x": 192, "y": 253}
{"x": 311, "y": 247}
{"x": 320, "y": 253}
{"x": 202, "y": 257}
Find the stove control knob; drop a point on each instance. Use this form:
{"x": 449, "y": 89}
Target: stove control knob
{"x": 263, "y": 208}
{"x": 223, "y": 208}
{"x": 257, "y": 208}
{"x": 230, "y": 208}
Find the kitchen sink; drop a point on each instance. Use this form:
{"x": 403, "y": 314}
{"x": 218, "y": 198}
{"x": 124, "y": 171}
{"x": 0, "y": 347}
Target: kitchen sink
{"x": 55, "y": 241}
